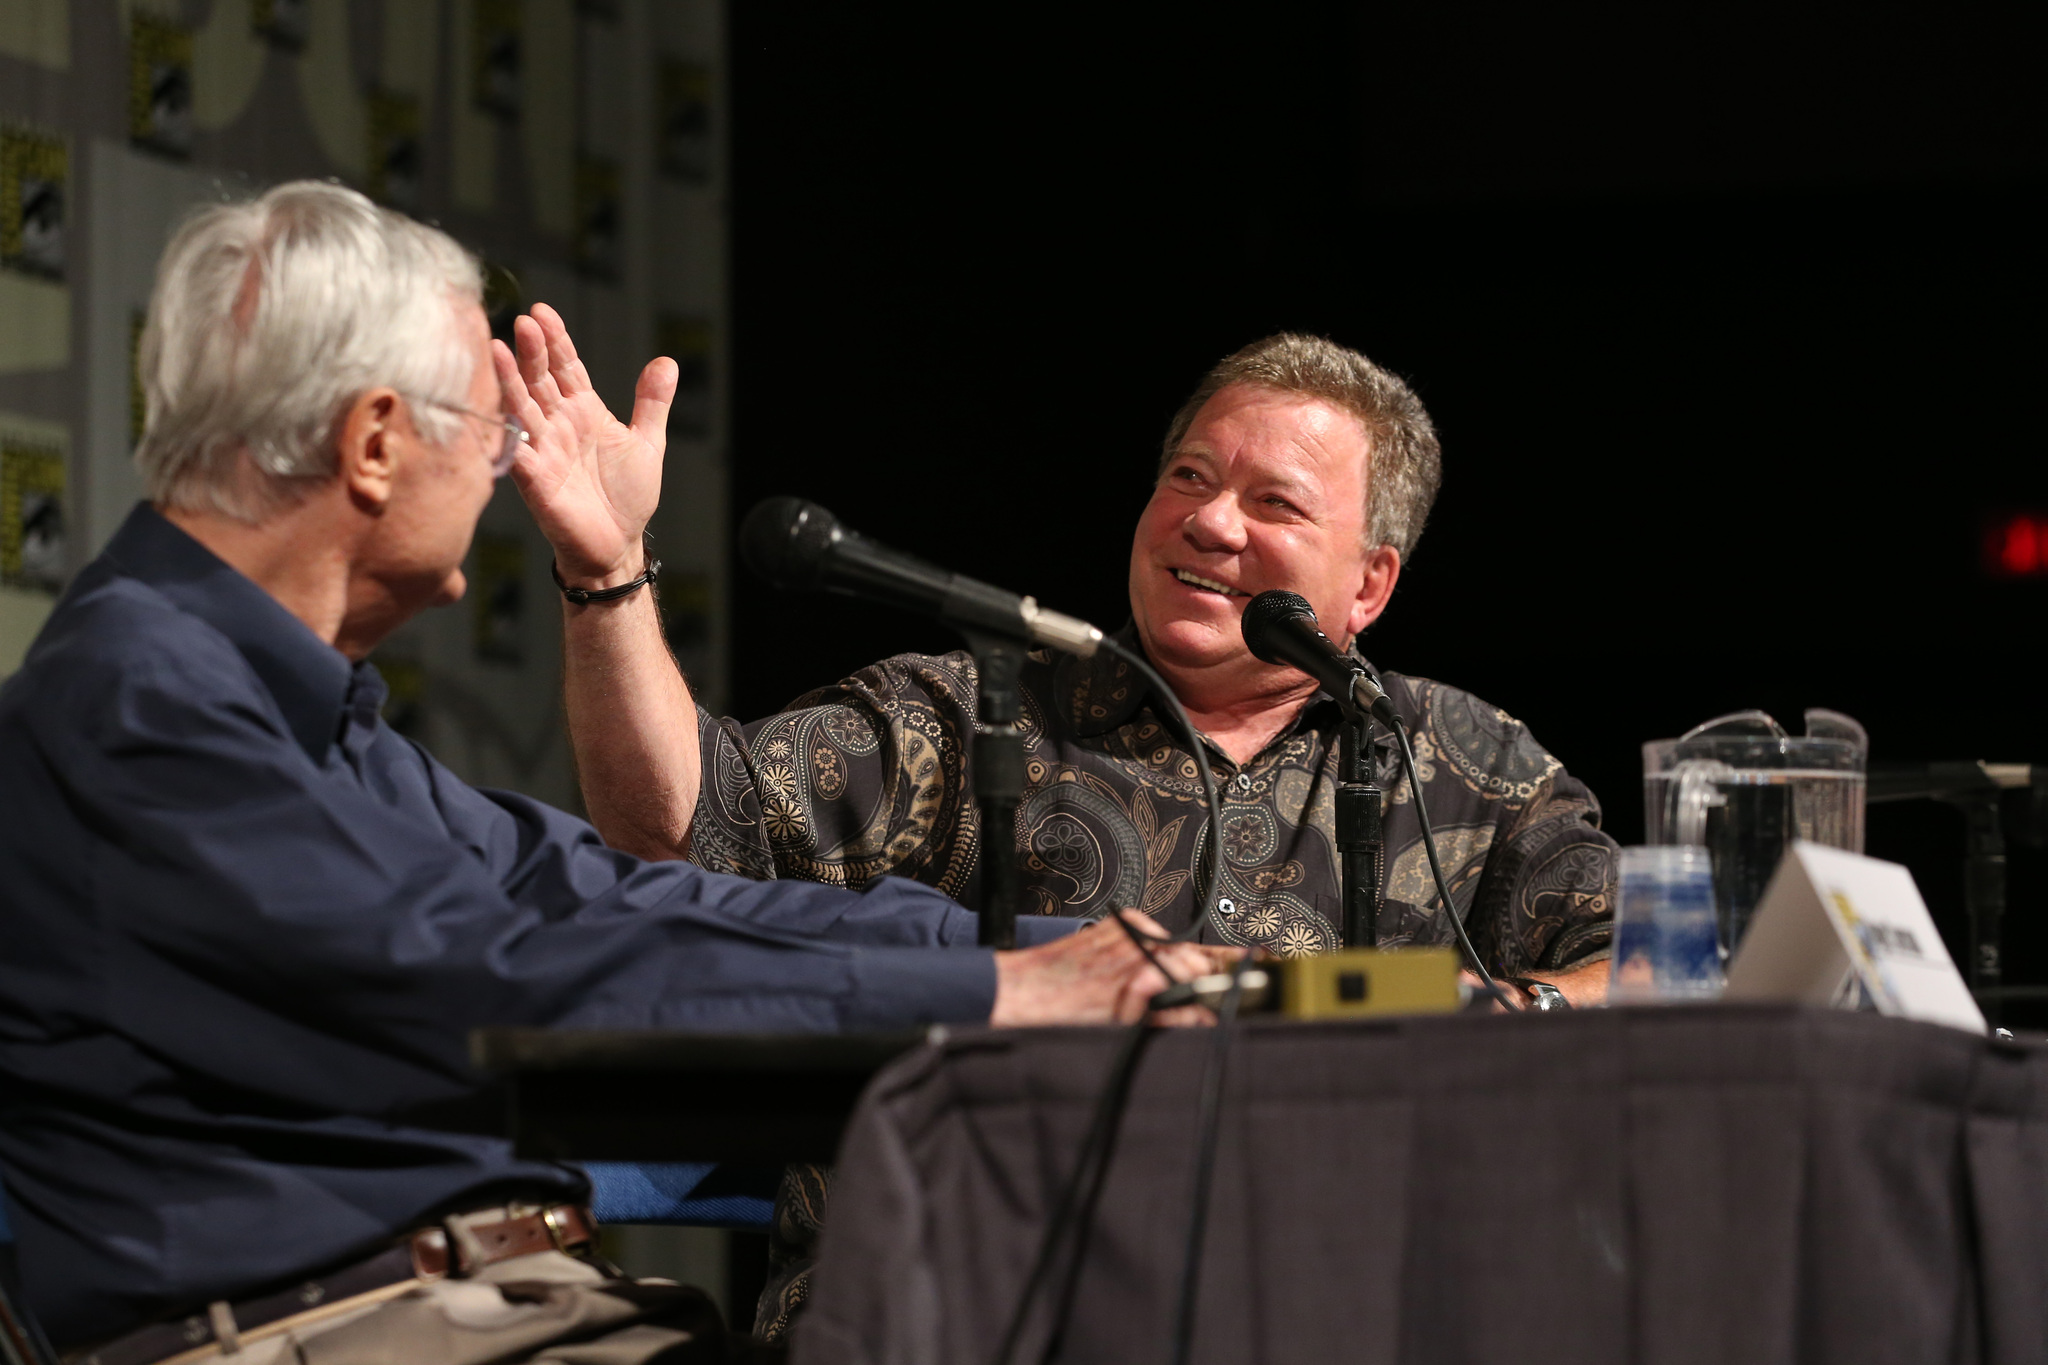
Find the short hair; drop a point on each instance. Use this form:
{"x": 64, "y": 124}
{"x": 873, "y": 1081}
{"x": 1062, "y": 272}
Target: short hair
{"x": 269, "y": 318}
{"x": 1404, "y": 463}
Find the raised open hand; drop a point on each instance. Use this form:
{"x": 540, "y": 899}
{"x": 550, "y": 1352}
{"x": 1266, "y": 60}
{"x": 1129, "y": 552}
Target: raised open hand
{"x": 590, "y": 480}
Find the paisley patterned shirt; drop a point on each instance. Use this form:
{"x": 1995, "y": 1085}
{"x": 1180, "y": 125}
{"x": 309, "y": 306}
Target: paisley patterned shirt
{"x": 870, "y": 776}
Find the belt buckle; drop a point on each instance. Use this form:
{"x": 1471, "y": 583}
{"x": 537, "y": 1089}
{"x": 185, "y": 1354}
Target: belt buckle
{"x": 434, "y": 1256}
{"x": 551, "y": 1218}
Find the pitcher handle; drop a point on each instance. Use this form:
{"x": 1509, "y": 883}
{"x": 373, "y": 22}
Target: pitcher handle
{"x": 1695, "y": 790}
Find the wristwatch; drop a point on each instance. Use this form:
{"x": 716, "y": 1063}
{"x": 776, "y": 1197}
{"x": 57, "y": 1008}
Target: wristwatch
{"x": 1542, "y": 995}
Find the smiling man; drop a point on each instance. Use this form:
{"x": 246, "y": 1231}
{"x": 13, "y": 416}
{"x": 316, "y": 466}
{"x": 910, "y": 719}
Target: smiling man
{"x": 1295, "y": 464}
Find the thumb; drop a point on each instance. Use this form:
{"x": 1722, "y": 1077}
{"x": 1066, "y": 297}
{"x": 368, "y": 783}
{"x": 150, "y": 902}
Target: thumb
{"x": 651, "y": 399}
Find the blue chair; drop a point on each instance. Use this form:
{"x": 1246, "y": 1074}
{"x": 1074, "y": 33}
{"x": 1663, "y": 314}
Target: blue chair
{"x": 696, "y": 1194}
{"x": 21, "y": 1341}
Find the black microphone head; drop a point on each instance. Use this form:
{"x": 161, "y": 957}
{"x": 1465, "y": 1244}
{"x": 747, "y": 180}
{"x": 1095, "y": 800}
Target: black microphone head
{"x": 785, "y": 540}
{"x": 1264, "y": 614}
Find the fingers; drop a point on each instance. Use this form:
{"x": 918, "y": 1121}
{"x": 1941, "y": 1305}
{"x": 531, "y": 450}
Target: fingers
{"x": 651, "y": 399}
{"x": 1162, "y": 953}
{"x": 533, "y": 362}
{"x": 1143, "y": 923}
{"x": 1162, "y": 962}
{"x": 1220, "y": 957}
{"x": 518, "y": 401}
{"x": 553, "y": 374}
{"x": 1107, "y": 973}
{"x": 1186, "y": 961}
{"x": 570, "y": 376}
{"x": 1134, "y": 1000}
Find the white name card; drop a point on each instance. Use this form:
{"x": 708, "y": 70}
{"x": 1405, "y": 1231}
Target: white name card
{"x": 1830, "y": 917}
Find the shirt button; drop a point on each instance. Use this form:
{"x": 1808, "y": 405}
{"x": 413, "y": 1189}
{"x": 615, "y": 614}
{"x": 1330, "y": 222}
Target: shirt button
{"x": 1227, "y": 906}
{"x": 1243, "y": 782}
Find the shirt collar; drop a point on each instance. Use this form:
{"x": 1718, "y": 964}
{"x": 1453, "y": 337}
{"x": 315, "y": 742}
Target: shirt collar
{"x": 1102, "y": 693}
{"x": 308, "y": 678}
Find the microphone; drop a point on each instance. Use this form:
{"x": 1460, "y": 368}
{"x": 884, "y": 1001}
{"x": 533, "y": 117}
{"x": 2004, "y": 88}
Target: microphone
{"x": 1280, "y": 628}
{"x": 799, "y": 545}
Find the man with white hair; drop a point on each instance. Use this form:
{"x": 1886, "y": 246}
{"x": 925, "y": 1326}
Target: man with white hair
{"x": 249, "y": 927}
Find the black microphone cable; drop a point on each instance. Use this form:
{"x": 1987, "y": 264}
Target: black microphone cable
{"x": 1084, "y": 1188}
{"x": 1210, "y": 1114}
{"x": 794, "y": 544}
{"x": 788, "y": 541}
{"x": 1078, "y": 1200}
{"x": 1205, "y": 903}
{"x": 1436, "y": 868}
{"x": 1280, "y": 627}
{"x": 1208, "y": 1126}
{"x": 799, "y": 545}
{"x": 1075, "y": 1210}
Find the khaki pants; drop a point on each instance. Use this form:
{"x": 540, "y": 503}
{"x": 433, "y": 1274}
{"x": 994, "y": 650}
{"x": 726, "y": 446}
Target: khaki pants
{"x": 544, "y": 1308}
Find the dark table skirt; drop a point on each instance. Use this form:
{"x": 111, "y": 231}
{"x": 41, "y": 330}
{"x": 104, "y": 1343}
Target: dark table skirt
{"x": 1747, "y": 1184}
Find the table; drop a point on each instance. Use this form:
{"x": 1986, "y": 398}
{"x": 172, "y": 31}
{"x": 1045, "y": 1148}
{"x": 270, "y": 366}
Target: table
{"x": 1750, "y": 1184}
{"x": 629, "y": 1095}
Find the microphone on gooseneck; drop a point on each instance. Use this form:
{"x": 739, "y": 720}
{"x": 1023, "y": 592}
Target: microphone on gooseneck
{"x": 1280, "y": 628}
{"x": 799, "y": 545}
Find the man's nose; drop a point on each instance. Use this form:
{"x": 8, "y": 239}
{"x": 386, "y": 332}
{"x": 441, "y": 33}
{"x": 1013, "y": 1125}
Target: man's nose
{"x": 1217, "y": 526}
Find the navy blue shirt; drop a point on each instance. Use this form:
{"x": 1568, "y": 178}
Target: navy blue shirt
{"x": 245, "y": 927}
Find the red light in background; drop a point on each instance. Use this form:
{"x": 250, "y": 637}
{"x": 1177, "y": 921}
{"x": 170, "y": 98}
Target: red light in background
{"x": 2020, "y": 550}
{"x": 2016, "y": 545}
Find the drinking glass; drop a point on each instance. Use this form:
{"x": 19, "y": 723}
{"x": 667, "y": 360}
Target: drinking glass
{"x": 1666, "y": 942}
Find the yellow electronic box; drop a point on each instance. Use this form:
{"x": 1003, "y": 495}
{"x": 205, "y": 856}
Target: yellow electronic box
{"x": 1354, "y": 982}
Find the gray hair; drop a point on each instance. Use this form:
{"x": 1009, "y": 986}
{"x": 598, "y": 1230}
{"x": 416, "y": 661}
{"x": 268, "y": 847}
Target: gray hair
{"x": 1404, "y": 462}
{"x": 269, "y": 318}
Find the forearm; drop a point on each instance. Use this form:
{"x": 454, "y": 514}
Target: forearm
{"x": 633, "y": 725}
{"x": 592, "y": 482}
{"x": 1585, "y": 986}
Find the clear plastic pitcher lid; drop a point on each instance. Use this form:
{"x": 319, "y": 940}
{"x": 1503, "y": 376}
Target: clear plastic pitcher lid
{"x": 1754, "y": 739}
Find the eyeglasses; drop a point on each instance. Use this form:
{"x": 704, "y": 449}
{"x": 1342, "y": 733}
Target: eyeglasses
{"x": 508, "y": 450}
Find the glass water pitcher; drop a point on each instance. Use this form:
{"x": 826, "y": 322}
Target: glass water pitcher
{"x": 1741, "y": 788}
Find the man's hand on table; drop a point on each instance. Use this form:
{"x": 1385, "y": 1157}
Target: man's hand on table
{"x": 1585, "y": 987}
{"x": 1099, "y": 976}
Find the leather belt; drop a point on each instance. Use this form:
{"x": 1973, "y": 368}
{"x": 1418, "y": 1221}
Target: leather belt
{"x": 462, "y": 1245}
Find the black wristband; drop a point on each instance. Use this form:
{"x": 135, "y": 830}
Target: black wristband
{"x": 583, "y": 597}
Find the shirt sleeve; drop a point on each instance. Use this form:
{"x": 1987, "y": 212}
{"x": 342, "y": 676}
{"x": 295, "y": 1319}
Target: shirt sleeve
{"x": 325, "y": 933}
{"x": 854, "y": 782}
{"x": 1547, "y": 899}
{"x": 1519, "y": 839}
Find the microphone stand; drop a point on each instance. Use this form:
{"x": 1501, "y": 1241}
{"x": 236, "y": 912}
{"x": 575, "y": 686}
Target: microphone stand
{"x": 1360, "y": 846}
{"x": 998, "y": 781}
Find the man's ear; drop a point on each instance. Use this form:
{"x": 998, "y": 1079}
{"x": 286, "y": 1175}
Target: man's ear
{"x": 1376, "y": 588}
{"x": 373, "y": 437}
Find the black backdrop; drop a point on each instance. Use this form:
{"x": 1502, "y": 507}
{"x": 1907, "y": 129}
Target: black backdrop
{"x": 1732, "y": 327}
